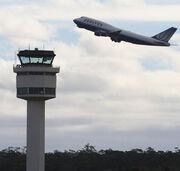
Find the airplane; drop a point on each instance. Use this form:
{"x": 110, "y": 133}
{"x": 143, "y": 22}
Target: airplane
{"x": 117, "y": 35}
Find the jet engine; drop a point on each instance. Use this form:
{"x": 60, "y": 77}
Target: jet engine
{"x": 100, "y": 33}
{"x": 115, "y": 40}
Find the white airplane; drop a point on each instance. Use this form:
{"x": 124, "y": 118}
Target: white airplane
{"x": 117, "y": 35}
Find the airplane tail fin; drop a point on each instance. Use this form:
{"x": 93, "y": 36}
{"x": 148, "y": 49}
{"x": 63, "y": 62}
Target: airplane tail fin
{"x": 165, "y": 35}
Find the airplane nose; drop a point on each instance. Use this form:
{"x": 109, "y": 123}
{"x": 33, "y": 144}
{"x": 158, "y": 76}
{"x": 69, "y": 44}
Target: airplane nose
{"x": 75, "y": 21}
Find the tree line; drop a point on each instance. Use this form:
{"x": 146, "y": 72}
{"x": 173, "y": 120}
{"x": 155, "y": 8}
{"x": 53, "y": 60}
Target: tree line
{"x": 89, "y": 159}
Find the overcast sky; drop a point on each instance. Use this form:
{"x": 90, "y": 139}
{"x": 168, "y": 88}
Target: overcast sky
{"x": 111, "y": 95}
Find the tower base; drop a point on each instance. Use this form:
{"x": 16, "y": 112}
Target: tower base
{"x": 35, "y": 135}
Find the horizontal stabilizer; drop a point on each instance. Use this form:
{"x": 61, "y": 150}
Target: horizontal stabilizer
{"x": 165, "y": 35}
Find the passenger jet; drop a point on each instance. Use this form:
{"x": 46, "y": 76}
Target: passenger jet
{"x": 117, "y": 35}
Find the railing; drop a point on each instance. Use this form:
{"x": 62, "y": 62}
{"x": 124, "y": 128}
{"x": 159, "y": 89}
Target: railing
{"x": 32, "y": 65}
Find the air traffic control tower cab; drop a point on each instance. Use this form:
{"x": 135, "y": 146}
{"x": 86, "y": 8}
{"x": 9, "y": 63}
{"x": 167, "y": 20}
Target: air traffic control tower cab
{"x": 36, "y": 76}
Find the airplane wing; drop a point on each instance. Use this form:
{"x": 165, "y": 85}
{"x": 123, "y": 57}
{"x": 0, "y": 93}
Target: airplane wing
{"x": 115, "y": 36}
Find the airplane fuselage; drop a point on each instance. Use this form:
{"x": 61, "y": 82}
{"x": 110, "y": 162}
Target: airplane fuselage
{"x": 103, "y": 29}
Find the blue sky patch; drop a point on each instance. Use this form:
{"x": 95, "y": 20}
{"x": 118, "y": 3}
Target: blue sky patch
{"x": 64, "y": 31}
{"x": 6, "y": 48}
{"x": 155, "y": 64}
{"x": 163, "y": 2}
{"x": 67, "y": 36}
{"x": 12, "y": 2}
{"x": 102, "y": 1}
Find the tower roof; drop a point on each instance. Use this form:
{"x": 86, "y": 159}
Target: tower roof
{"x": 36, "y": 57}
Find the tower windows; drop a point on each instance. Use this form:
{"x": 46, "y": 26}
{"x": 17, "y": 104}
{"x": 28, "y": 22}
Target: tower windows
{"x": 35, "y": 91}
{"x": 36, "y": 73}
{"x": 22, "y": 91}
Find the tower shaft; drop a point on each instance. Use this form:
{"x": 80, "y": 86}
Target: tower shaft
{"x": 35, "y": 135}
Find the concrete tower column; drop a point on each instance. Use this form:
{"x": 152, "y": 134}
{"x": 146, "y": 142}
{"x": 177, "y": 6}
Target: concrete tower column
{"x": 35, "y": 135}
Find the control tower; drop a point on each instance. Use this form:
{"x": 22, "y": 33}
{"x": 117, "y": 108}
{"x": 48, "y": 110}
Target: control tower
{"x": 36, "y": 82}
